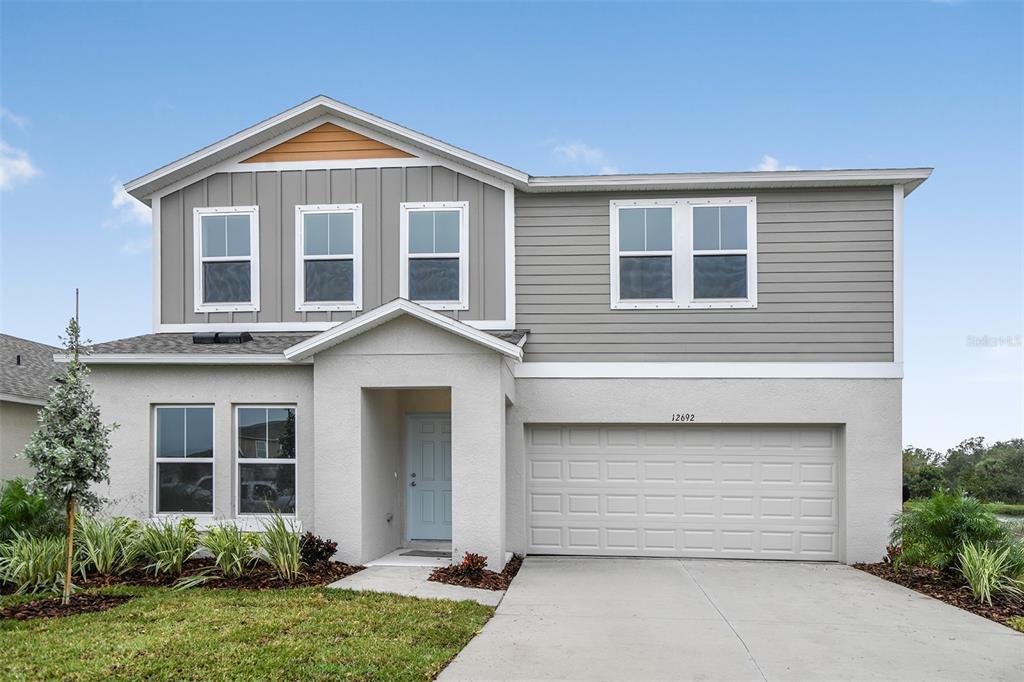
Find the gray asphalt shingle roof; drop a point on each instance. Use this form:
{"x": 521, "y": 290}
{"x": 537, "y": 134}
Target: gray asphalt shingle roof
{"x": 33, "y": 377}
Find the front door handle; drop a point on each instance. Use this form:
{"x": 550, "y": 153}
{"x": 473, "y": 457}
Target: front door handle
{"x": 413, "y": 484}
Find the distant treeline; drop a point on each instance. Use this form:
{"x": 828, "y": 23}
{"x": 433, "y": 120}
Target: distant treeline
{"x": 992, "y": 473}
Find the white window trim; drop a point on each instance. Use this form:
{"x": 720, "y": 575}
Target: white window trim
{"x": 301, "y": 305}
{"x": 683, "y": 254}
{"x": 237, "y": 477}
{"x": 462, "y": 255}
{"x": 154, "y": 503}
{"x": 253, "y": 305}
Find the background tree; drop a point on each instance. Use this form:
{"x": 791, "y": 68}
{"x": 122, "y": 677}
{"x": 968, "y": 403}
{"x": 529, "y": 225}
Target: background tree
{"x": 70, "y": 449}
{"x": 922, "y": 472}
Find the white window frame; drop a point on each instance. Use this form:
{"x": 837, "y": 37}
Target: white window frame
{"x": 301, "y": 305}
{"x": 253, "y": 304}
{"x": 683, "y": 254}
{"x": 463, "y": 255}
{"x": 237, "y": 476}
{"x": 154, "y": 504}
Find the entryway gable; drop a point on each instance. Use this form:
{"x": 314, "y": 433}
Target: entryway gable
{"x": 402, "y": 308}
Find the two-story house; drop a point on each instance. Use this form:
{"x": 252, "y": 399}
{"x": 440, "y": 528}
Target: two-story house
{"x": 393, "y": 339}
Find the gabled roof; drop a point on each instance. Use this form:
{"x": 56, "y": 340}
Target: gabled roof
{"x": 391, "y": 311}
{"x": 27, "y": 380}
{"x": 321, "y": 106}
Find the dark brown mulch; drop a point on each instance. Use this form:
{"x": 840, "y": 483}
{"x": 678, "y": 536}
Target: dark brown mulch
{"x": 51, "y": 608}
{"x": 947, "y": 587}
{"x": 486, "y": 580}
{"x": 260, "y": 577}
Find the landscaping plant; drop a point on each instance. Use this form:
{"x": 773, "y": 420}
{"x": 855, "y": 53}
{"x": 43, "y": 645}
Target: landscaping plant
{"x": 165, "y": 546}
{"x": 279, "y": 547}
{"x": 107, "y": 546}
{"x": 33, "y": 564}
{"x": 70, "y": 450}
{"x": 931, "y": 532}
{"x": 988, "y": 571}
{"x": 472, "y": 565}
{"x": 1017, "y": 623}
{"x": 313, "y": 549}
{"x": 234, "y": 551}
{"x": 22, "y": 511}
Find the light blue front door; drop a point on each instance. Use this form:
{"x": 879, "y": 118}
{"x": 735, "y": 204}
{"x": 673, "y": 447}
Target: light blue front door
{"x": 428, "y": 477}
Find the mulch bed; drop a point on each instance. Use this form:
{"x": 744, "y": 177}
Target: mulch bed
{"x": 50, "y": 608}
{"x": 947, "y": 587}
{"x": 260, "y": 577}
{"x": 486, "y": 580}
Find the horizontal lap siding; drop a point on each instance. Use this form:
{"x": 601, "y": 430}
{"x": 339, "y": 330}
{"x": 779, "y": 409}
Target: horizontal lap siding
{"x": 379, "y": 190}
{"x": 825, "y": 284}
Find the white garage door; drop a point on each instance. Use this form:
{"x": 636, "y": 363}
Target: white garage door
{"x": 684, "y": 491}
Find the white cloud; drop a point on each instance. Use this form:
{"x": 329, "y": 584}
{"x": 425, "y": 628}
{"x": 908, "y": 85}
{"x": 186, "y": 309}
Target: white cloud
{"x": 19, "y": 122}
{"x": 15, "y": 166}
{"x": 129, "y": 207}
{"x": 132, "y": 247}
{"x": 770, "y": 163}
{"x": 591, "y": 158}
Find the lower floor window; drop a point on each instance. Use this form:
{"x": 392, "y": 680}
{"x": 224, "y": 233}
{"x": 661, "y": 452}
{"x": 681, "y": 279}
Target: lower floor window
{"x": 184, "y": 460}
{"x": 266, "y": 460}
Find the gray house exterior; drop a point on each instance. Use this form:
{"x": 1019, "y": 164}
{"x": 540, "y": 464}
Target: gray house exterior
{"x": 426, "y": 345}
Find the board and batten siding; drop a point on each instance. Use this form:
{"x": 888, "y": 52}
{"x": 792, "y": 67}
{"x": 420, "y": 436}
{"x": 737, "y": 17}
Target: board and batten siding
{"x": 379, "y": 190}
{"x": 825, "y": 283}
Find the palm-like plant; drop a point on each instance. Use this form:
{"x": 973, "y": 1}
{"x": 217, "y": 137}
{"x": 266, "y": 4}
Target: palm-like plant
{"x": 931, "y": 532}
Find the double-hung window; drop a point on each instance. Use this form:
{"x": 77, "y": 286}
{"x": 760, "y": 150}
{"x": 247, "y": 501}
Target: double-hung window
{"x": 226, "y": 262}
{"x": 328, "y": 247}
{"x": 434, "y": 244}
{"x": 265, "y": 440}
{"x": 183, "y": 454}
{"x": 684, "y": 253}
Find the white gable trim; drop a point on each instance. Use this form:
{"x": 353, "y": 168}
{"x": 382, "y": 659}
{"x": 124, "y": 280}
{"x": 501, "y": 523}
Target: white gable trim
{"x": 388, "y": 312}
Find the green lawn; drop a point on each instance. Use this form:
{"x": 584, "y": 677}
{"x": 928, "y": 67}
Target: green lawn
{"x": 1006, "y": 509}
{"x": 227, "y": 634}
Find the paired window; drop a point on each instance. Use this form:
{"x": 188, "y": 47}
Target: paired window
{"x": 328, "y": 244}
{"x": 684, "y": 253}
{"x": 184, "y": 460}
{"x": 226, "y": 266}
{"x": 434, "y": 243}
{"x": 266, "y": 459}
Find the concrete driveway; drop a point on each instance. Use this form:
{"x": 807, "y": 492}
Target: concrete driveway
{"x": 665, "y": 619}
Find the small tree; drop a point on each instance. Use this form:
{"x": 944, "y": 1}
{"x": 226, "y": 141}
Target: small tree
{"x": 69, "y": 451}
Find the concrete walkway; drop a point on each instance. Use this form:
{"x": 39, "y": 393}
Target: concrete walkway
{"x": 662, "y": 619}
{"x": 411, "y": 581}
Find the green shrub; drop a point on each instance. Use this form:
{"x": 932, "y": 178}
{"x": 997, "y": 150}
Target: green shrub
{"x": 988, "y": 571}
{"x": 107, "y": 546}
{"x": 27, "y": 513}
{"x": 1017, "y": 623}
{"x": 931, "y": 532}
{"x": 165, "y": 546}
{"x": 33, "y": 564}
{"x": 234, "y": 552}
{"x": 280, "y": 546}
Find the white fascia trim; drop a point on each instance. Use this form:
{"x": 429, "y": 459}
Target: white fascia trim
{"x": 178, "y": 359}
{"x": 709, "y": 370}
{"x": 20, "y": 399}
{"x": 390, "y": 311}
{"x": 897, "y": 273}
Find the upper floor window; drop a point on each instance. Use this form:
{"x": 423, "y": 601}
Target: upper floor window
{"x": 183, "y": 453}
{"x": 226, "y": 264}
{"x": 684, "y": 253}
{"x": 434, "y": 243}
{"x": 328, "y": 247}
{"x": 265, "y": 440}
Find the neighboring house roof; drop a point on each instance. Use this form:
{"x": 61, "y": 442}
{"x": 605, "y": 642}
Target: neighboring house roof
{"x": 27, "y": 380}
{"x": 395, "y": 309}
{"x": 235, "y": 146}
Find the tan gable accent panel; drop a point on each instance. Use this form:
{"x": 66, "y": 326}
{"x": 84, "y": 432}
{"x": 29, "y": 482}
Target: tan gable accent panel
{"x": 325, "y": 142}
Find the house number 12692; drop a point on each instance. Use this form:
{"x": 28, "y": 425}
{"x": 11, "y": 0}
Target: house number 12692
{"x": 683, "y": 417}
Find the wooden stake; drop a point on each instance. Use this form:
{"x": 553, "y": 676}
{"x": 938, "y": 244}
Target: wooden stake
{"x": 68, "y": 549}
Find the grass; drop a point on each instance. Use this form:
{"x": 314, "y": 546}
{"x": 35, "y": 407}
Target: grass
{"x": 1006, "y": 509}
{"x": 310, "y": 633}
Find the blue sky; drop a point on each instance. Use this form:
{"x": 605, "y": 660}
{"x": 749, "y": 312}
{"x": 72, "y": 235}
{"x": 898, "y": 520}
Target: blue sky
{"x": 95, "y": 94}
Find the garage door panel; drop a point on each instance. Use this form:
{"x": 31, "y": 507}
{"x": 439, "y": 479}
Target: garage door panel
{"x": 684, "y": 491}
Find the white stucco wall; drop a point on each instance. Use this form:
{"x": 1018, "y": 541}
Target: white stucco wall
{"x": 403, "y": 354}
{"x": 126, "y": 394}
{"x": 18, "y": 422}
{"x": 868, "y": 410}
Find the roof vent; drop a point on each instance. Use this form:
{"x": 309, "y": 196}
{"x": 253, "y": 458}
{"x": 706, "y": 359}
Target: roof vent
{"x": 203, "y": 338}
